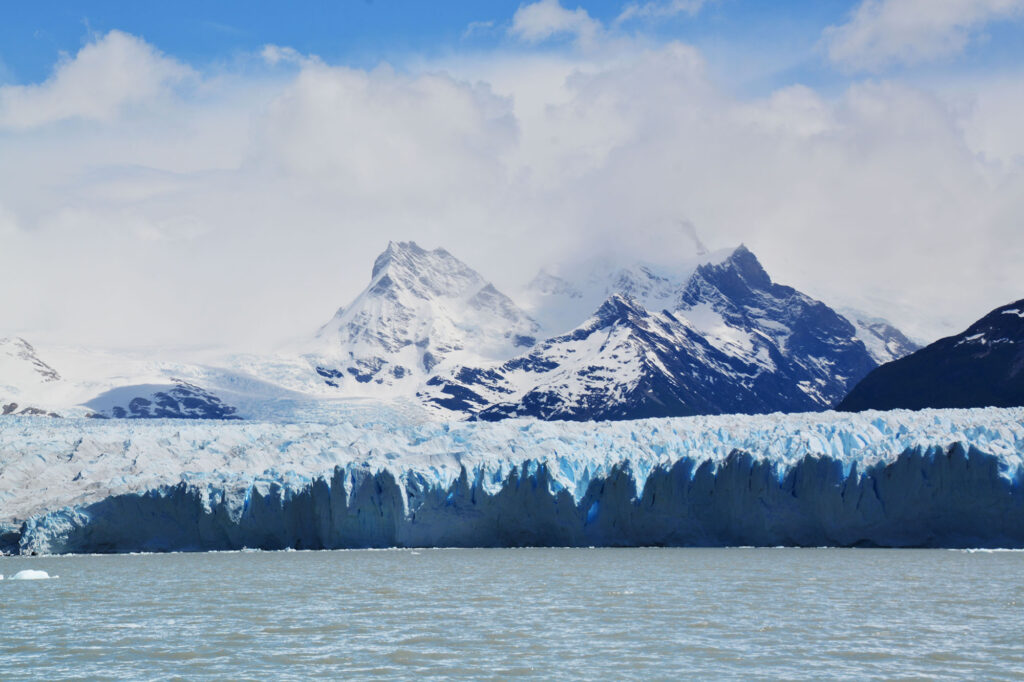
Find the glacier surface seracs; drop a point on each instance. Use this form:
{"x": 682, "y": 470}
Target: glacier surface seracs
{"x": 900, "y": 478}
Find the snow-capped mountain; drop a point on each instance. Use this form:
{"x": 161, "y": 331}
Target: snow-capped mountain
{"x": 23, "y": 377}
{"x": 729, "y": 340}
{"x": 708, "y": 334}
{"x": 741, "y": 311}
{"x": 625, "y": 362}
{"x": 982, "y": 366}
{"x": 422, "y": 310}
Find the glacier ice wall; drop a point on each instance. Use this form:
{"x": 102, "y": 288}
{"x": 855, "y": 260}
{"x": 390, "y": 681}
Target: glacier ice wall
{"x": 950, "y": 478}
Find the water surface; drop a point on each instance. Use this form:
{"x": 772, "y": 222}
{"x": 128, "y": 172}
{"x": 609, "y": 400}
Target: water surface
{"x": 536, "y": 613}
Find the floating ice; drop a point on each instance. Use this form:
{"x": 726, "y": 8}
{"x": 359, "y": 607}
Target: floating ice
{"x": 31, "y": 574}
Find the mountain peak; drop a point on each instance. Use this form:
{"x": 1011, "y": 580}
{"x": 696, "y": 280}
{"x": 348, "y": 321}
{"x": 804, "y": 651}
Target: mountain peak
{"x": 401, "y": 253}
{"x": 618, "y": 308}
{"x": 424, "y": 273}
{"x": 748, "y": 267}
{"x": 420, "y": 308}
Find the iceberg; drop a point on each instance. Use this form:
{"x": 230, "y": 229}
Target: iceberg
{"x": 933, "y": 478}
{"x": 30, "y": 574}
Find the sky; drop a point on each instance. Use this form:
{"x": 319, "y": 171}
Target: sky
{"x": 223, "y": 174}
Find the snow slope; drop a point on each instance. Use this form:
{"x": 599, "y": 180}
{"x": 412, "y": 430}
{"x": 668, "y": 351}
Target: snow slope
{"x": 884, "y": 342}
{"x": 25, "y": 380}
{"x": 930, "y": 478}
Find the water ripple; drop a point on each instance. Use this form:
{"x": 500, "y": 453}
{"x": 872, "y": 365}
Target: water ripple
{"x": 496, "y": 614}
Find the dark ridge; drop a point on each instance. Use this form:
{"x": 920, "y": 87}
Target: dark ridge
{"x": 981, "y": 367}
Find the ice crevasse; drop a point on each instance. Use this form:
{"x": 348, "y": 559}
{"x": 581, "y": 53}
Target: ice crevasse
{"x": 941, "y": 478}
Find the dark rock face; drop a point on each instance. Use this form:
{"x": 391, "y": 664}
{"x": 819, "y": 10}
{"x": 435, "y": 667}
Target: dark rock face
{"x": 980, "y": 367}
{"x": 736, "y": 343}
{"x": 14, "y": 408}
{"x": 816, "y": 344}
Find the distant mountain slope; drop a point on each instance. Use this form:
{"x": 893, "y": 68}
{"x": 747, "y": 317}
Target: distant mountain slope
{"x": 735, "y": 342}
{"x": 421, "y": 309}
{"x": 884, "y": 342}
{"x": 982, "y": 366}
{"x": 20, "y": 364}
{"x": 23, "y": 378}
{"x": 178, "y": 400}
{"x": 98, "y": 385}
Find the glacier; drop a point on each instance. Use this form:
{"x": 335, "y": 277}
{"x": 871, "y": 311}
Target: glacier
{"x": 932, "y": 478}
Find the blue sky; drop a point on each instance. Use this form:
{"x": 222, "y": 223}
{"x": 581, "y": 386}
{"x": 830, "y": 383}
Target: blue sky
{"x": 864, "y": 150}
{"x": 33, "y": 34}
{"x": 767, "y": 43}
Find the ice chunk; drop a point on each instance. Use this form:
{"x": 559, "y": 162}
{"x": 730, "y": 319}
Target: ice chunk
{"x": 31, "y": 574}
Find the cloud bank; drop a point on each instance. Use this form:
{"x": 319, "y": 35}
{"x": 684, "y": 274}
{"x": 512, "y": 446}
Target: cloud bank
{"x": 144, "y": 202}
{"x": 107, "y": 76}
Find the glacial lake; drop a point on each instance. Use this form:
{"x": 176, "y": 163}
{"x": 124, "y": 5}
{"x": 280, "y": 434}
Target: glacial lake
{"x": 532, "y": 613}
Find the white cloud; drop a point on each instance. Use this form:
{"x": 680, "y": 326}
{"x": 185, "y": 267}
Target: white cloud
{"x": 246, "y": 208}
{"x": 114, "y": 72}
{"x": 991, "y": 118}
{"x": 8, "y": 223}
{"x": 883, "y": 32}
{"x": 478, "y": 28}
{"x": 374, "y": 133}
{"x": 546, "y": 19}
{"x": 796, "y": 110}
{"x": 664, "y": 8}
{"x": 275, "y": 55}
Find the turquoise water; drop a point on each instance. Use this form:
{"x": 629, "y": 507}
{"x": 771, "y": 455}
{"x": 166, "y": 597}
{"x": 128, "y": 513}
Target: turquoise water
{"x": 534, "y": 613}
